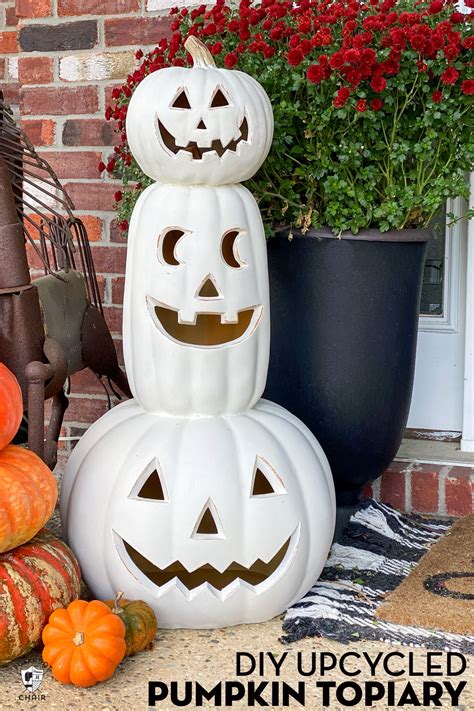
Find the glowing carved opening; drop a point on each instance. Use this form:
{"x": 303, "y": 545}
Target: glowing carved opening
{"x": 254, "y": 575}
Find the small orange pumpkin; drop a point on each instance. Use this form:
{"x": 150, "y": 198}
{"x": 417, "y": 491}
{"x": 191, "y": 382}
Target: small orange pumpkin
{"x": 11, "y": 405}
{"x": 84, "y": 643}
{"x": 28, "y": 495}
{"x": 140, "y": 622}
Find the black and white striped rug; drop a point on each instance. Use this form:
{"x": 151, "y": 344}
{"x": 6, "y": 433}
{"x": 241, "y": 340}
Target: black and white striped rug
{"x": 379, "y": 547}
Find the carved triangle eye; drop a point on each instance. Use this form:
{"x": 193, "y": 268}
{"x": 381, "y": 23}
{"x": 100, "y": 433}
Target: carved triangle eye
{"x": 151, "y": 485}
{"x": 261, "y": 485}
{"x": 181, "y": 101}
{"x": 219, "y": 99}
{"x": 266, "y": 481}
{"x": 152, "y": 488}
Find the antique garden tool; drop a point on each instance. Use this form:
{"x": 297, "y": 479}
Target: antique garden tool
{"x": 55, "y": 326}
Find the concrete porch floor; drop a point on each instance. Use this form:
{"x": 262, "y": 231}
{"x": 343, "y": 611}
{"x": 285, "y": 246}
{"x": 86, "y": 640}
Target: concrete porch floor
{"x": 207, "y": 656}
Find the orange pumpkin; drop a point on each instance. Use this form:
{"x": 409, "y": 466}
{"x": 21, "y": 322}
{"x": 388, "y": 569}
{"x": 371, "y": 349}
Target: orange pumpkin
{"x": 35, "y": 579}
{"x": 11, "y": 406}
{"x": 84, "y": 643}
{"x": 28, "y": 495}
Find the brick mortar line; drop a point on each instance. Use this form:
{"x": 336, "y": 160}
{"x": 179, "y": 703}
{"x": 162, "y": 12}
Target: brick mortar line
{"x": 110, "y": 49}
{"x": 443, "y": 475}
{"x": 407, "y": 472}
{"x": 58, "y": 20}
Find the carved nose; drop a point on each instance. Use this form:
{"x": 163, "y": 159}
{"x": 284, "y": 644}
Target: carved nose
{"x": 208, "y": 289}
{"x": 207, "y": 524}
{"x": 201, "y": 124}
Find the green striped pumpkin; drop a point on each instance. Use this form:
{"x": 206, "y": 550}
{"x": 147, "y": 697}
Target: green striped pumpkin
{"x": 35, "y": 579}
{"x": 139, "y": 620}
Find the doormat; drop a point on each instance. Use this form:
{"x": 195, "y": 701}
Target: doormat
{"x": 439, "y": 593}
{"x": 378, "y": 549}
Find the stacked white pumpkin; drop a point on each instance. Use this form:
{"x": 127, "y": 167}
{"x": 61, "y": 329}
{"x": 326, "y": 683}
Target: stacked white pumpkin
{"x": 215, "y": 507}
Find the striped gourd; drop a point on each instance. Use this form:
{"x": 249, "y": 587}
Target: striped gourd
{"x": 35, "y": 579}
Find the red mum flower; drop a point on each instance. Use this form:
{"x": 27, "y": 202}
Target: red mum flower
{"x": 123, "y": 225}
{"x": 315, "y": 73}
{"x": 276, "y": 33}
{"x": 376, "y": 104}
{"x": 435, "y": 7}
{"x": 294, "y": 57}
{"x": 337, "y": 60}
{"x": 467, "y": 87}
{"x": 101, "y": 166}
{"x": 361, "y": 105}
{"x": 118, "y": 196}
{"x": 451, "y": 52}
{"x": 468, "y": 42}
{"x": 231, "y": 60}
{"x": 450, "y": 76}
{"x": 456, "y": 18}
{"x": 341, "y": 97}
{"x": 437, "y": 97}
{"x": 378, "y": 83}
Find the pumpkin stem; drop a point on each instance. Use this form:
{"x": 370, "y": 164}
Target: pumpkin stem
{"x": 199, "y": 52}
{"x": 78, "y": 639}
{"x": 116, "y": 608}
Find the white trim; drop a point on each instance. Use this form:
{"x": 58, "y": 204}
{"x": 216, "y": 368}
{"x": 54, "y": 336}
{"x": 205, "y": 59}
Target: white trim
{"x": 467, "y": 441}
{"x": 448, "y": 322}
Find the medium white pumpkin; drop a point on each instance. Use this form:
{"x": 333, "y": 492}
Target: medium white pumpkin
{"x": 202, "y": 125}
{"x": 196, "y": 327}
{"x": 213, "y": 521}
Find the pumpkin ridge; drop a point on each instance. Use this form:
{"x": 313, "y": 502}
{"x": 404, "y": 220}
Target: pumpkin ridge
{"x": 103, "y": 667}
{"x": 105, "y": 623}
{"x": 79, "y": 671}
{"x": 27, "y": 572}
{"x": 48, "y": 557}
{"x": 18, "y": 601}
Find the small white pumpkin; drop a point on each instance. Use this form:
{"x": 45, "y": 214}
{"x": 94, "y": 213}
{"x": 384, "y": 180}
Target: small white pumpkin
{"x": 196, "y": 325}
{"x": 213, "y": 521}
{"x": 200, "y": 125}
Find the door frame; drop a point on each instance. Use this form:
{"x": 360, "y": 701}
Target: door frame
{"x": 467, "y": 441}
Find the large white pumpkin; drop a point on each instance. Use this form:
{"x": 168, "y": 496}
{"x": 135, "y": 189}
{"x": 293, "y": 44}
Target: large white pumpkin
{"x": 199, "y": 126}
{"x": 196, "y": 324}
{"x": 213, "y": 521}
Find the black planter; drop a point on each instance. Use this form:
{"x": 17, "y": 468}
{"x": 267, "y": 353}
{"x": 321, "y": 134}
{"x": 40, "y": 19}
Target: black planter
{"x": 344, "y": 332}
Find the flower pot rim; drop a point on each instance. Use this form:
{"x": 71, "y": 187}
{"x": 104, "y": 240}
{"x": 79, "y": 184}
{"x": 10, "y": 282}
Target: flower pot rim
{"x": 416, "y": 234}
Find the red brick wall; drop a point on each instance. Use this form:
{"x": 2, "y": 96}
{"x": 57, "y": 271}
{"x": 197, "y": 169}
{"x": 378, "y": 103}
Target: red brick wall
{"x": 59, "y": 60}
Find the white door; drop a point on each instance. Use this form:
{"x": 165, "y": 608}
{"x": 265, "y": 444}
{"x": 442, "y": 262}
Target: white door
{"x": 438, "y": 394}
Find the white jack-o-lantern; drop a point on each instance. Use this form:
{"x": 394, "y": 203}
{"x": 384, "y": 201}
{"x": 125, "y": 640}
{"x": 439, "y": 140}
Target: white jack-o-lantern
{"x": 196, "y": 307}
{"x": 199, "y": 126}
{"x": 213, "y": 521}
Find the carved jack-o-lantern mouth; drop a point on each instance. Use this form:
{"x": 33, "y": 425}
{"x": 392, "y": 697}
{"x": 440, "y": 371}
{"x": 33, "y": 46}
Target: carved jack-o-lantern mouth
{"x": 208, "y": 330}
{"x": 198, "y": 151}
{"x": 256, "y": 574}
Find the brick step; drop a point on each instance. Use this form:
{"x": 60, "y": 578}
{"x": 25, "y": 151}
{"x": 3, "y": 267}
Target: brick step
{"x": 445, "y": 490}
